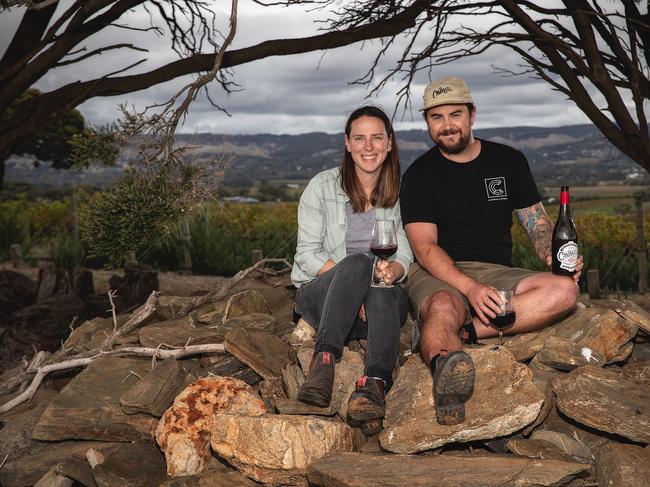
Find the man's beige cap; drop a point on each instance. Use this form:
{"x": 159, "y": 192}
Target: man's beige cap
{"x": 446, "y": 91}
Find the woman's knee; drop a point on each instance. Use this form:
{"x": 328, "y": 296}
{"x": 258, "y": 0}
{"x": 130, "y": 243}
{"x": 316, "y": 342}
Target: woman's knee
{"x": 356, "y": 264}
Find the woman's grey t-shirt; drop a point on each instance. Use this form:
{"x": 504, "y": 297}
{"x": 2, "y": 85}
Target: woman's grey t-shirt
{"x": 359, "y": 230}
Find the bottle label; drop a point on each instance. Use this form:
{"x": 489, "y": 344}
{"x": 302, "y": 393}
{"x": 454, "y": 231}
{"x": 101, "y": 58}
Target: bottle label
{"x": 564, "y": 198}
{"x": 567, "y": 256}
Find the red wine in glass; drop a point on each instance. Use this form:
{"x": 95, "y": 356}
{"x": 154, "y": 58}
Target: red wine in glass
{"x": 506, "y": 316}
{"x": 503, "y": 321}
{"x": 383, "y": 243}
{"x": 384, "y": 251}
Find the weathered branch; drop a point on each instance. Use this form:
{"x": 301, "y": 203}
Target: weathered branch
{"x": 225, "y": 289}
{"x": 73, "y": 363}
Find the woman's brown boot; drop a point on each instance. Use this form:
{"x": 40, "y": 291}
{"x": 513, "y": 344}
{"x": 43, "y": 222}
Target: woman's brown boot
{"x": 317, "y": 389}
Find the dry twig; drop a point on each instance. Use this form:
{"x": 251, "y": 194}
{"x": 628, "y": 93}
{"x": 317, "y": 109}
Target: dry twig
{"x": 225, "y": 289}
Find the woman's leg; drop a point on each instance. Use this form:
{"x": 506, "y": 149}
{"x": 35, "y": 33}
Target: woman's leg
{"x": 331, "y": 302}
{"x": 386, "y": 310}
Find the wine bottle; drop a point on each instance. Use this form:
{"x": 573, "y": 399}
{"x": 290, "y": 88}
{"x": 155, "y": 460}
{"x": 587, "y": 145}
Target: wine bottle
{"x": 565, "y": 239}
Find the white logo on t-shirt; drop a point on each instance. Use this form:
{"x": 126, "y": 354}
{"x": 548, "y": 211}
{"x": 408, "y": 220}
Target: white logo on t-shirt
{"x": 496, "y": 188}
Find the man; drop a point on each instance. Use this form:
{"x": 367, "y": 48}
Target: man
{"x": 457, "y": 201}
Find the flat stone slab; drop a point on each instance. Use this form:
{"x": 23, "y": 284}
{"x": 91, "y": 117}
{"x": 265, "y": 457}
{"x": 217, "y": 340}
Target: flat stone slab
{"x": 266, "y": 354}
{"x": 246, "y": 302}
{"x": 605, "y": 400}
{"x": 130, "y": 465}
{"x": 157, "y": 390}
{"x": 363, "y": 469}
{"x": 26, "y": 471}
{"x": 212, "y": 479}
{"x": 504, "y": 400}
{"x": 624, "y": 465}
{"x": 176, "y": 333}
{"x": 628, "y": 310}
{"x": 276, "y": 449}
{"x": 88, "y": 407}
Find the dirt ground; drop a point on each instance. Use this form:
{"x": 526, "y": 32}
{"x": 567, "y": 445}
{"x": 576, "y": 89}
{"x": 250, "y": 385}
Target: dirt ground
{"x": 171, "y": 283}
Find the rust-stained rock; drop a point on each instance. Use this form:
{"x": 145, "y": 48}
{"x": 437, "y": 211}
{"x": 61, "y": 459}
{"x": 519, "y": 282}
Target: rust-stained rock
{"x": 88, "y": 407}
{"x": 504, "y": 400}
{"x": 605, "y": 400}
{"x": 183, "y": 432}
{"x": 277, "y": 449}
{"x": 363, "y": 469}
{"x": 624, "y": 465}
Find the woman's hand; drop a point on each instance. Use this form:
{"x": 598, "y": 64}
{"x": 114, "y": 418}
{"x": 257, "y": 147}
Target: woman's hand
{"x": 388, "y": 271}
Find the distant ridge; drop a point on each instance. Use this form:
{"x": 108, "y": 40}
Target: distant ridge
{"x": 570, "y": 154}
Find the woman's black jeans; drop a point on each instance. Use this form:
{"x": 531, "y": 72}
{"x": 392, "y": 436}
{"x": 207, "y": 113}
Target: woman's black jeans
{"x": 330, "y": 303}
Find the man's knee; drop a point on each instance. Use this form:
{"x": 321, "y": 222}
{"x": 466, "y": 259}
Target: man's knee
{"x": 443, "y": 304}
{"x": 567, "y": 293}
{"x": 560, "y": 293}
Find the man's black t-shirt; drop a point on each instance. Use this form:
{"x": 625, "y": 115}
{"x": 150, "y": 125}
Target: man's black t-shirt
{"x": 471, "y": 203}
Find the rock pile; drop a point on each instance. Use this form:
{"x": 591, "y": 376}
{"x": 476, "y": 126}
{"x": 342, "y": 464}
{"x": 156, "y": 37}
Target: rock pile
{"x": 567, "y": 405}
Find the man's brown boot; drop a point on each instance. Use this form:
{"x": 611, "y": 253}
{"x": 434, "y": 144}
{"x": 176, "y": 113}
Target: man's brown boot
{"x": 453, "y": 384}
{"x": 317, "y": 389}
{"x": 367, "y": 405}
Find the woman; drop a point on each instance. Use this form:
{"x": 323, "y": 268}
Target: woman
{"x": 333, "y": 266}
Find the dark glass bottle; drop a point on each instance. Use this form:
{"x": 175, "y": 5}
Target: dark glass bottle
{"x": 565, "y": 239}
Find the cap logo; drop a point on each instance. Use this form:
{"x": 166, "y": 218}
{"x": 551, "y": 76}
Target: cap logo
{"x": 440, "y": 91}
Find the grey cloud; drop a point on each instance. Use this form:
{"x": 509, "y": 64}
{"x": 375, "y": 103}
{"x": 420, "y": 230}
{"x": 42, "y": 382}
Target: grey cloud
{"x": 311, "y": 91}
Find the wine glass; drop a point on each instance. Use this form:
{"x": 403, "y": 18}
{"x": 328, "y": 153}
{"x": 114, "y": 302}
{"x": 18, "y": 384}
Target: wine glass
{"x": 506, "y": 315}
{"x": 383, "y": 244}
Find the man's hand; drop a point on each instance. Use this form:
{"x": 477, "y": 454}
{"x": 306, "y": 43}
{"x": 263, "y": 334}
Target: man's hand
{"x": 485, "y": 301}
{"x": 579, "y": 267}
{"x": 388, "y": 271}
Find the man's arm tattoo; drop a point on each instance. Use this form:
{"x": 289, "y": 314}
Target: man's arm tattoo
{"x": 539, "y": 228}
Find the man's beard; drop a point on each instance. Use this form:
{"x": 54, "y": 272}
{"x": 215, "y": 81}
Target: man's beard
{"x": 454, "y": 148}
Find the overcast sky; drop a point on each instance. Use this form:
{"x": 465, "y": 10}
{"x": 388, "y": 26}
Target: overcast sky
{"x": 303, "y": 93}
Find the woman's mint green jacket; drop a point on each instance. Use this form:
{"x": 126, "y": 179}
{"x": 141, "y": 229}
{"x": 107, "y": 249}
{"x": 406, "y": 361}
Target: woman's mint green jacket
{"x": 322, "y": 225}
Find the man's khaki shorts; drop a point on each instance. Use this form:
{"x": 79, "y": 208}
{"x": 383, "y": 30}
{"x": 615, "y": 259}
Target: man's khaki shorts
{"x": 421, "y": 284}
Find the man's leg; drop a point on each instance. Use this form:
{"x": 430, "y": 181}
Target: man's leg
{"x": 540, "y": 299}
{"x": 442, "y": 314}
